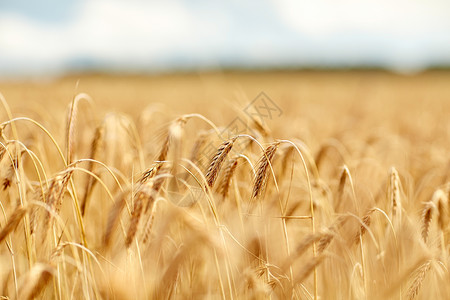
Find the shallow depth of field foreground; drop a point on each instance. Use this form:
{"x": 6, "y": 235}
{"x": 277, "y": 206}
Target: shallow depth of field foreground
{"x": 329, "y": 185}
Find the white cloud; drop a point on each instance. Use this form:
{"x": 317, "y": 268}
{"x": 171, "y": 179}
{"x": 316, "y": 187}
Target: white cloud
{"x": 105, "y": 31}
{"x": 155, "y": 34}
{"x": 407, "y": 18}
{"x": 404, "y": 34}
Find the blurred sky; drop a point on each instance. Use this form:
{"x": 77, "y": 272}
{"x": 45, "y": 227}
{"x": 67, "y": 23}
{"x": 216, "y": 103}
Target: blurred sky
{"x": 53, "y": 36}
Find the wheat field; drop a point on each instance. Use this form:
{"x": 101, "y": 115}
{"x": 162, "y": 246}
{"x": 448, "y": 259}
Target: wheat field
{"x": 226, "y": 185}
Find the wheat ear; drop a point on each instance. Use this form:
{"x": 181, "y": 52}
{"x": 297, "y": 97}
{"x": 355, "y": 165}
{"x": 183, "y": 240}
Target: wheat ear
{"x": 13, "y": 221}
{"x": 418, "y": 277}
{"x": 217, "y": 160}
{"x": 95, "y": 146}
{"x": 227, "y": 175}
{"x": 145, "y": 198}
{"x": 262, "y": 174}
{"x": 114, "y": 217}
{"x": 394, "y": 194}
{"x": 366, "y": 219}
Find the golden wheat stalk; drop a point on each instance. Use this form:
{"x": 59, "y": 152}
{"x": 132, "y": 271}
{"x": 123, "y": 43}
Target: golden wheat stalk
{"x": 150, "y": 220}
{"x": 438, "y": 204}
{"x": 440, "y": 199}
{"x": 227, "y": 175}
{"x": 427, "y": 214}
{"x": 38, "y": 195}
{"x": 217, "y": 160}
{"x": 13, "y": 221}
{"x": 54, "y": 197}
{"x": 366, "y": 220}
{"x": 141, "y": 196}
{"x": 173, "y": 136}
{"x": 145, "y": 198}
{"x": 340, "y": 192}
{"x": 71, "y": 120}
{"x": 394, "y": 194}
{"x": 199, "y": 143}
{"x": 162, "y": 156}
{"x": 156, "y": 187}
{"x": 9, "y": 164}
{"x": 330, "y": 233}
{"x": 114, "y": 216}
{"x": 263, "y": 166}
{"x": 176, "y": 139}
{"x": 308, "y": 268}
{"x": 418, "y": 277}
{"x": 301, "y": 248}
{"x": 56, "y": 190}
{"x": 150, "y": 172}
{"x": 95, "y": 147}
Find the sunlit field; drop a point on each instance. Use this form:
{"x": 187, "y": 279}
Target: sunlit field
{"x": 234, "y": 185}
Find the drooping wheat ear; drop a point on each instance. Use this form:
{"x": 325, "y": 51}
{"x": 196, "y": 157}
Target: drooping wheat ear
{"x": 10, "y": 163}
{"x": 227, "y": 175}
{"x": 13, "y": 221}
{"x": 10, "y": 173}
{"x": 174, "y": 133}
{"x": 156, "y": 187}
{"x": 394, "y": 194}
{"x": 440, "y": 199}
{"x": 217, "y": 160}
{"x": 255, "y": 287}
{"x": 262, "y": 174}
{"x": 2, "y": 152}
{"x": 325, "y": 240}
{"x": 330, "y": 233}
{"x": 141, "y": 196}
{"x": 418, "y": 277}
{"x": 427, "y": 214}
{"x": 2, "y": 129}
{"x": 33, "y": 219}
{"x": 114, "y": 216}
{"x": 176, "y": 138}
{"x": 35, "y": 280}
{"x": 309, "y": 268}
{"x": 438, "y": 203}
{"x": 54, "y": 197}
{"x": 197, "y": 147}
{"x": 56, "y": 253}
{"x": 308, "y": 241}
{"x": 331, "y": 144}
{"x": 366, "y": 219}
{"x": 95, "y": 146}
{"x": 150, "y": 172}
{"x": 145, "y": 198}
{"x": 38, "y": 196}
{"x": 56, "y": 190}
{"x": 162, "y": 156}
{"x": 172, "y": 141}
{"x": 150, "y": 220}
{"x": 341, "y": 187}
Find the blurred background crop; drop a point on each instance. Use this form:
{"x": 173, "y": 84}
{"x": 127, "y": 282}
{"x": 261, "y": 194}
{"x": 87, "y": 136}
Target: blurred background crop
{"x": 52, "y": 37}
